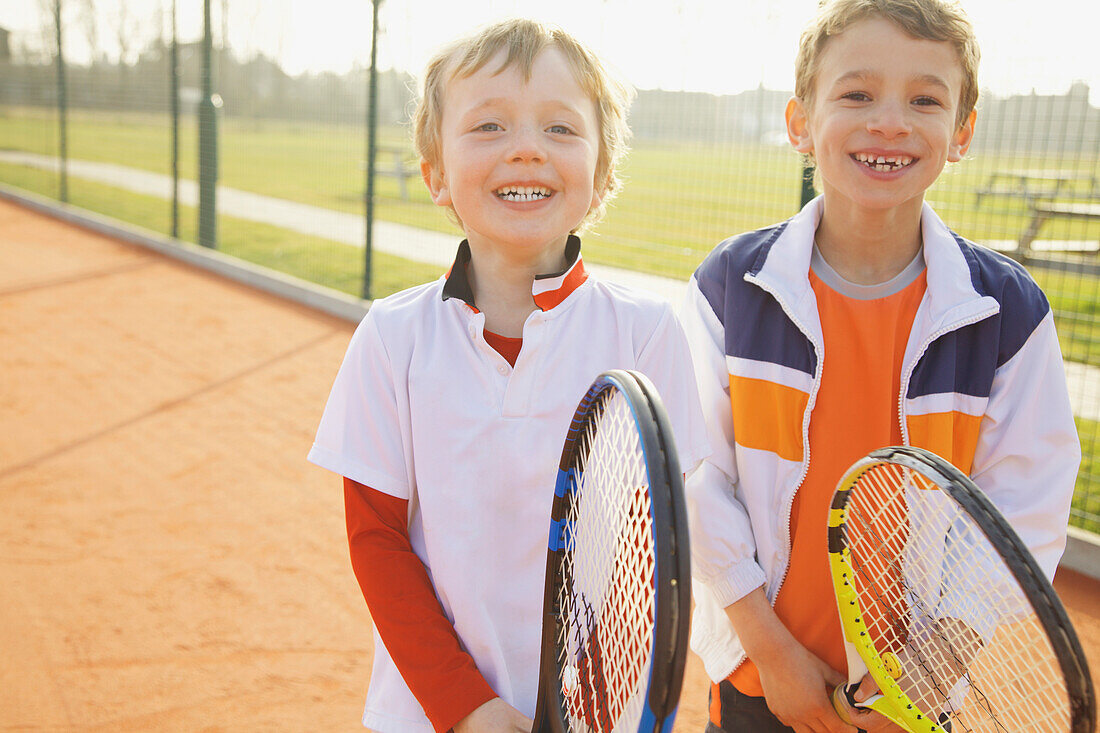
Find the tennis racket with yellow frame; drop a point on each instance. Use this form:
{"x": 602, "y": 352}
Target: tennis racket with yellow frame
{"x": 944, "y": 606}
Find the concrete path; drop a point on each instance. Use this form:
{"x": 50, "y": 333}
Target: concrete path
{"x": 421, "y": 245}
{"x": 411, "y": 243}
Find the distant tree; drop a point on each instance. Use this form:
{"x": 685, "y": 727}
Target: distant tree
{"x": 88, "y": 23}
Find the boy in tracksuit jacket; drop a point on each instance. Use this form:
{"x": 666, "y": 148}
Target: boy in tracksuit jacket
{"x": 861, "y": 322}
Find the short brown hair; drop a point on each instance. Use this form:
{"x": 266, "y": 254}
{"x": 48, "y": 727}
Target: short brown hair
{"x": 524, "y": 40}
{"x": 932, "y": 20}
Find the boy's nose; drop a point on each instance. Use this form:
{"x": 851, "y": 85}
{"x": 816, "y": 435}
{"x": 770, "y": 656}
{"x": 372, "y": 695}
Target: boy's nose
{"x": 889, "y": 119}
{"x": 527, "y": 145}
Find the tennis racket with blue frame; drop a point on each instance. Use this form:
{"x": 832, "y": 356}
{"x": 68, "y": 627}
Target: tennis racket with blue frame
{"x": 617, "y": 595}
{"x": 942, "y": 603}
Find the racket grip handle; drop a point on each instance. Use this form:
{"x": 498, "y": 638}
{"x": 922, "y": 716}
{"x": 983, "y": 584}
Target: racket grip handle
{"x": 839, "y": 696}
{"x": 845, "y": 692}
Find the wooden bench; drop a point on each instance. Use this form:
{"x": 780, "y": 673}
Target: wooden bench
{"x": 1042, "y": 211}
{"x": 394, "y": 161}
{"x": 1035, "y": 185}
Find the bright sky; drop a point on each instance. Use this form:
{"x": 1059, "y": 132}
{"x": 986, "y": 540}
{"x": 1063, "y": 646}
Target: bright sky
{"x": 701, "y": 45}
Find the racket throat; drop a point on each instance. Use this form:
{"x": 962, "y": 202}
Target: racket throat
{"x": 857, "y": 670}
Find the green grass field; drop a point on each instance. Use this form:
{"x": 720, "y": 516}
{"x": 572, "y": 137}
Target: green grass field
{"x": 1085, "y": 512}
{"x": 679, "y": 200}
{"x": 332, "y": 264}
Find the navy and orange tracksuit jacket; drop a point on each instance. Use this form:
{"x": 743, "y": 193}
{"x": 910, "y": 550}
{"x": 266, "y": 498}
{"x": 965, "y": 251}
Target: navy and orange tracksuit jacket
{"x": 983, "y": 385}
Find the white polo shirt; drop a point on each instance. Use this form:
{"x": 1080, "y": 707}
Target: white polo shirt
{"x": 424, "y": 409}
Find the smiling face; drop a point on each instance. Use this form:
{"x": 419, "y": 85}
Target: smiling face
{"x": 882, "y": 123}
{"x": 518, "y": 157}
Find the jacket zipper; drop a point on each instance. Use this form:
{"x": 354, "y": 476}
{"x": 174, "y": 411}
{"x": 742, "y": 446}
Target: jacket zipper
{"x": 981, "y": 316}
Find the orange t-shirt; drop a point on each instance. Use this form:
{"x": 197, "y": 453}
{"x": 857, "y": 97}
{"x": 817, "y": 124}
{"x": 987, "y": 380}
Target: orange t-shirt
{"x": 857, "y": 411}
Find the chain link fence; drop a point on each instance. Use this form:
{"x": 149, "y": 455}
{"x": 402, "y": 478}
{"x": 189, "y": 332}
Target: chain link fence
{"x": 100, "y": 106}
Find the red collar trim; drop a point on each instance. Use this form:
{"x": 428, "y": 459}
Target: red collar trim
{"x": 548, "y": 291}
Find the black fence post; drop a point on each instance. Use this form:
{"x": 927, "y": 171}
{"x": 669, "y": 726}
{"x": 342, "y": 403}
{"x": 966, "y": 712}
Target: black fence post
{"x": 174, "y": 91}
{"x": 808, "y": 191}
{"x": 372, "y": 136}
{"x": 62, "y": 109}
{"x": 208, "y": 141}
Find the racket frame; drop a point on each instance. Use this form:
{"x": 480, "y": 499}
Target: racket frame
{"x": 894, "y": 703}
{"x": 672, "y": 572}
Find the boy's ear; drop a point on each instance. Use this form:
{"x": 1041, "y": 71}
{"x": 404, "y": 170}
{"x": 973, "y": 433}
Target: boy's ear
{"x": 960, "y": 141}
{"x": 600, "y": 189}
{"x": 436, "y": 183}
{"x": 798, "y": 126}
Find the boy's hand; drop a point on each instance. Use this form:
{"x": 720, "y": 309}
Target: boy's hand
{"x": 495, "y": 716}
{"x": 796, "y": 685}
{"x": 868, "y": 720}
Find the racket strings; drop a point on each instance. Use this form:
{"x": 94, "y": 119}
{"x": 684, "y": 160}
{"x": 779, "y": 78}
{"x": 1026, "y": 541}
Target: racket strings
{"x": 935, "y": 594}
{"x": 607, "y": 605}
{"x": 892, "y": 512}
{"x": 932, "y": 652}
{"x": 881, "y": 580}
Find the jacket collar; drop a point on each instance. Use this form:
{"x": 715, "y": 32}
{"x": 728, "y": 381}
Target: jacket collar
{"x": 548, "y": 290}
{"x": 784, "y": 264}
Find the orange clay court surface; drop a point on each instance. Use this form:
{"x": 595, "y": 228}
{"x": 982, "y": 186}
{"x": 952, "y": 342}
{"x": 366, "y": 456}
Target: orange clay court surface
{"x": 168, "y": 558}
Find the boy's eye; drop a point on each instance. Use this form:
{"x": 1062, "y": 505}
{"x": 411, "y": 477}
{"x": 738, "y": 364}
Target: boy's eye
{"x": 560, "y": 130}
{"x": 489, "y": 127}
{"x": 927, "y": 102}
{"x": 856, "y": 96}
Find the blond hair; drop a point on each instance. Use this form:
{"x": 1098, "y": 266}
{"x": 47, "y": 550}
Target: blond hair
{"x": 932, "y": 20}
{"x": 524, "y": 40}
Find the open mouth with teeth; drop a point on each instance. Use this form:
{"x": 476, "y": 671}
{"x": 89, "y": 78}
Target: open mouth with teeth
{"x": 523, "y": 193}
{"x": 883, "y": 164}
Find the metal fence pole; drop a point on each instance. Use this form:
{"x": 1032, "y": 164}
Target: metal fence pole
{"x": 808, "y": 191}
{"x": 372, "y": 134}
{"x": 208, "y": 141}
{"x": 174, "y": 91}
{"x": 62, "y": 109}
